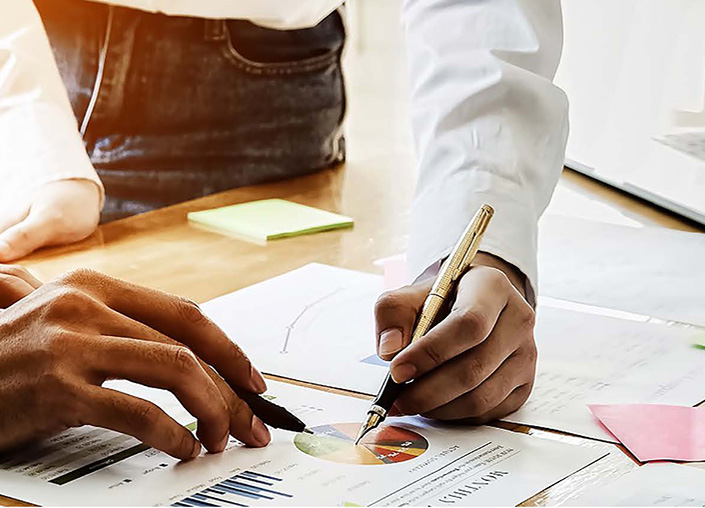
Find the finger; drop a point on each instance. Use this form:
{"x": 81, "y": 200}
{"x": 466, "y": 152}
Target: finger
{"x": 513, "y": 402}
{"x": 12, "y": 289}
{"x": 395, "y": 315}
{"x": 242, "y": 423}
{"x": 21, "y": 273}
{"x": 482, "y": 295}
{"x": 169, "y": 367}
{"x": 11, "y": 216}
{"x": 463, "y": 373}
{"x": 139, "y": 418}
{"x": 177, "y": 318}
{"x": 516, "y": 371}
{"x": 25, "y": 237}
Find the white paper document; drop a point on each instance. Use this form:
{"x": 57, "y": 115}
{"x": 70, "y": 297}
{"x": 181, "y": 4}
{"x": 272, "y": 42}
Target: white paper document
{"x": 650, "y": 271}
{"x": 314, "y": 324}
{"x": 650, "y": 485}
{"x": 592, "y": 359}
{"x": 408, "y": 461}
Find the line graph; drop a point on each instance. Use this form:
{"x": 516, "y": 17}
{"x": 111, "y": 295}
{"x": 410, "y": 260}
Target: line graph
{"x": 290, "y": 327}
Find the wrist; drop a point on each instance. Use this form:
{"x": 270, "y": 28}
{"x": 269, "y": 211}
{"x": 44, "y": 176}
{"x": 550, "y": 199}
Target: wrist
{"x": 515, "y": 276}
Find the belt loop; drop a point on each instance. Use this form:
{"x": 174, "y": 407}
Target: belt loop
{"x": 214, "y": 29}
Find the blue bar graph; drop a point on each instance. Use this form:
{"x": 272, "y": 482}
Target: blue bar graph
{"x": 244, "y": 486}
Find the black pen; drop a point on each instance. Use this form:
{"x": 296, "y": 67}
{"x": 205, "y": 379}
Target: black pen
{"x": 272, "y": 414}
{"x": 452, "y": 270}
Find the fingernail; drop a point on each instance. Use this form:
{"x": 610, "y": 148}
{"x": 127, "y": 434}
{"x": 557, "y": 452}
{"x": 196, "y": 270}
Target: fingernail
{"x": 257, "y": 379}
{"x": 196, "y": 449}
{"x": 390, "y": 341}
{"x": 260, "y": 432}
{"x": 403, "y": 372}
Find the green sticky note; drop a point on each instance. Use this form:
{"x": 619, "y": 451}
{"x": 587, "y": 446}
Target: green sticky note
{"x": 269, "y": 219}
{"x": 700, "y": 342}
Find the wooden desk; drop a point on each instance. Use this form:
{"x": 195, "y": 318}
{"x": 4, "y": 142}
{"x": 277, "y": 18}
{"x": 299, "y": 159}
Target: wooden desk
{"x": 162, "y": 250}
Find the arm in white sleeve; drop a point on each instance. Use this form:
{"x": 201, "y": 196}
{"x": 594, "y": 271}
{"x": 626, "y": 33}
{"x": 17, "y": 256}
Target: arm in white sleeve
{"x": 278, "y": 14}
{"x": 39, "y": 138}
{"x": 489, "y": 125}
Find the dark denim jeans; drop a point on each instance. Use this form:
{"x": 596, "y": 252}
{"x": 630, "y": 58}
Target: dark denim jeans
{"x": 174, "y": 108}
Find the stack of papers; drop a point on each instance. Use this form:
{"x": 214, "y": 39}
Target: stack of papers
{"x": 409, "y": 461}
{"x": 649, "y": 271}
{"x": 316, "y": 324}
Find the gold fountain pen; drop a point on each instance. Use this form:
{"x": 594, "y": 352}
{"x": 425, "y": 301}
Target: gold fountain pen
{"x": 452, "y": 270}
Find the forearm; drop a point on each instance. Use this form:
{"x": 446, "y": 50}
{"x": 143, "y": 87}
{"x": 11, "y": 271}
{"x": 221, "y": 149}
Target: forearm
{"x": 489, "y": 125}
{"x": 39, "y": 139}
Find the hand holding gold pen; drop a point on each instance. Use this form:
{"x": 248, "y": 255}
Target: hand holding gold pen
{"x": 457, "y": 264}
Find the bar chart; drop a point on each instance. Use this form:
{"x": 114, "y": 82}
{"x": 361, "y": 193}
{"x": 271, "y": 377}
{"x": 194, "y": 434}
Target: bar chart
{"x": 237, "y": 490}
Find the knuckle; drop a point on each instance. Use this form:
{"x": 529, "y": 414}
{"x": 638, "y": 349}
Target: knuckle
{"x": 66, "y": 301}
{"x": 532, "y": 353}
{"x": 471, "y": 319}
{"x": 80, "y": 276}
{"x": 184, "y": 359}
{"x": 237, "y": 405}
{"x": 497, "y": 280}
{"x": 527, "y": 319}
{"x": 471, "y": 375}
{"x": 190, "y": 310}
{"x": 146, "y": 415}
{"x": 434, "y": 355}
{"x": 479, "y": 403}
{"x": 53, "y": 346}
{"x": 389, "y": 301}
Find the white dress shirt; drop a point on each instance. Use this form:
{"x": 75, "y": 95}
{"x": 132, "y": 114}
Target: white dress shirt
{"x": 489, "y": 125}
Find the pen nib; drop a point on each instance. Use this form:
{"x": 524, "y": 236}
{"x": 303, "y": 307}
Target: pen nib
{"x": 373, "y": 420}
{"x": 308, "y": 431}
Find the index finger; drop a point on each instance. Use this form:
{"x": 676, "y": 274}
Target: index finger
{"x": 482, "y": 295}
{"x": 175, "y": 317}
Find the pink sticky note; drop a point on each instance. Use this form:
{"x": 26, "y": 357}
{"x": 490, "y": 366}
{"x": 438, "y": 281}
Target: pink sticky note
{"x": 394, "y": 272}
{"x": 655, "y": 431}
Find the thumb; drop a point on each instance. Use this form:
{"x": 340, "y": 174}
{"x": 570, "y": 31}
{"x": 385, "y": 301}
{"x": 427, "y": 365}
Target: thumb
{"x": 19, "y": 240}
{"x": 395, "y": 315}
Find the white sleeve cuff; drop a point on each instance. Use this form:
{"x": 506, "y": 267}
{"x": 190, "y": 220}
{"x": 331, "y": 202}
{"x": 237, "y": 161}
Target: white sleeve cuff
{"x": 39, "y": 143}
{"x": 440, "y": 216}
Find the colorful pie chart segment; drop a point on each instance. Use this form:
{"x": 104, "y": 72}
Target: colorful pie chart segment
{"x": 386, "y": 445}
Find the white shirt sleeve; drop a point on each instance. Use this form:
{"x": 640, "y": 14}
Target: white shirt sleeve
{"x": 489, "y": 125}
{"x": 278, "y": 14}
{"x": 39, "y": 138}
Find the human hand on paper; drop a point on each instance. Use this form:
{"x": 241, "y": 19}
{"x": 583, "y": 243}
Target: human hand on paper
{"x": 475, "y": 365}
{"x": 57, "y": 213}
{"x": 65, "y": 338}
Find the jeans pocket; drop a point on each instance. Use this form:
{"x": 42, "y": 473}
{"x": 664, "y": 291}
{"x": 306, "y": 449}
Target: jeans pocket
{"x": 267, "y": 52}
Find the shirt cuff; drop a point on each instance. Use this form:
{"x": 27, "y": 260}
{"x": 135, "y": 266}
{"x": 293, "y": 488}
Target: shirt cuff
{"x": 41, "y": 144}
{"x": 440, "y": 216}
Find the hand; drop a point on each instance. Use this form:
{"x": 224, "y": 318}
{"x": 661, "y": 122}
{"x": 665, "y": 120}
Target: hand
{"x": 62, "y": 341}
{"x": 475, "y": 365}
{"x": 59, "y": 212}
{"x": 15, "y": 284}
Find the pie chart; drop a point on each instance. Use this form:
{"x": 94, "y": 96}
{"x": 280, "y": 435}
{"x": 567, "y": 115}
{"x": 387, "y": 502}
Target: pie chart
{"x": 386, "y": 445}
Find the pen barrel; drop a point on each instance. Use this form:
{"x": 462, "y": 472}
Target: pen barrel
{"x": 389, "y": 393}
{"x": 270, "y": 413}
{"x": 431, "y": 308}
